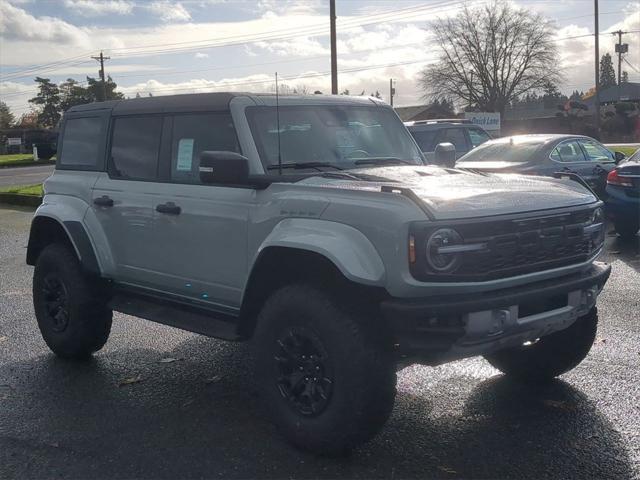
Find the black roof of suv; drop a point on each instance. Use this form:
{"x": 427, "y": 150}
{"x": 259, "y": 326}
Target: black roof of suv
{"x": 463, "y": 134}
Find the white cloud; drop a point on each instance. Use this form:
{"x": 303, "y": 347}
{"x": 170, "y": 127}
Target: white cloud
{"x": 301, "y": 46}
{"x": 94, "y": 8}
{"x": 170, "y": 11}
{"x": 201, "y": 55}
{"x": 17, "y": 24}
{"x": 292, "y": 7}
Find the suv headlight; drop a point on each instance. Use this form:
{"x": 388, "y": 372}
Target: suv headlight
{"x": 444, "y": 250}
{"x": 597, "y": 216}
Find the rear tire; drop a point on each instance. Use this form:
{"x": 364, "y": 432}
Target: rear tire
{"x": 551, "y": 355}
{"x": 326, "y": 375}
{"x": 627, "y": 230}
{"x": 72, "y": 313}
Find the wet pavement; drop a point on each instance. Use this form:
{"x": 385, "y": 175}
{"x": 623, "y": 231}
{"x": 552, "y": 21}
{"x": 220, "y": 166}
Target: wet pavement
{"x": 157, "y": 402}
{"x": 25, "y": 175}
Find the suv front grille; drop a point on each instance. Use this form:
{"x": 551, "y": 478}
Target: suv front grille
{"x": 516, "y": 246}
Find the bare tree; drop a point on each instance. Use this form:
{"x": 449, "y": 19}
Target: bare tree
{"x": 491, "y": 55}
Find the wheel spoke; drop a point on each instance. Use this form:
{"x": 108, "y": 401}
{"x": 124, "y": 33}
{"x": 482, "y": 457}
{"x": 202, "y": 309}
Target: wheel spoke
{"x": 303, "y": 378}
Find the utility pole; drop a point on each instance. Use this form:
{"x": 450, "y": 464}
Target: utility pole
{"x": 597, "y": 52}
{"x": 620, "y": 49}
{"x": 101, "y": 59}
{"x": 392, "y": 91}
{"x": 334, "y": 55}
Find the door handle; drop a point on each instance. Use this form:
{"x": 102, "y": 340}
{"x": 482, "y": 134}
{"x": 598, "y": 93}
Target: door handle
{"x": 169, "y": 207}
{"x": 103, "y": 201}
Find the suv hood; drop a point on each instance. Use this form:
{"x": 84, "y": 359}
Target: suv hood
{"x": 451, "y": 193}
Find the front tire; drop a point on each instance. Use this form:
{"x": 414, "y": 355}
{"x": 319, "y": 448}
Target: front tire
{"x": 326, "y": 375}
{"x": 551, "y": 355}
{"x": 70, "y": 309}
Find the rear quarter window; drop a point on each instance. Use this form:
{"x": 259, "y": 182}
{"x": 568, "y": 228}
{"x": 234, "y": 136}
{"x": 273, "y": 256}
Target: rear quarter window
{"x": 83, "y": 143}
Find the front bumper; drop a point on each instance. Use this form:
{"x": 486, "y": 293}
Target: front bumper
{"x": 444, "y": 328}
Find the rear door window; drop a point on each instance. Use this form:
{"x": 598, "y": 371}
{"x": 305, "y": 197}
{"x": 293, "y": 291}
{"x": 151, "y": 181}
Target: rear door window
{"x": 568, "y": 152}
{"x": 596, "y": 152}
{"x": 82, "y": 143}
{"x": 135, "y": 147}
{"x": 195, "y": 133}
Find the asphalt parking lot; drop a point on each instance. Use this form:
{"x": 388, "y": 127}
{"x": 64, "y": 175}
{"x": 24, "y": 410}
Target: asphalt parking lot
{"x": 157, "y": 402}
{"x": 24, "y": 175}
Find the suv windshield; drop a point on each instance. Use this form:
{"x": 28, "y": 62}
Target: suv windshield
{"x": 331, "y": 136}
{"x": 504, "y": 150}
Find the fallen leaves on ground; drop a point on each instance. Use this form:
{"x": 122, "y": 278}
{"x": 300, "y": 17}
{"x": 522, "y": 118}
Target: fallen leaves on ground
{"x": 130, "y": 381}
{"x": 169, "y": 360}
{"x": 559, "y": 404}
{"x": 446, "y": 469}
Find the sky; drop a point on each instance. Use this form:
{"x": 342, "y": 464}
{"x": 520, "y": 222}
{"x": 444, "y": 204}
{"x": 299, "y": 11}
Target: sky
{"x": 185, "y": 46}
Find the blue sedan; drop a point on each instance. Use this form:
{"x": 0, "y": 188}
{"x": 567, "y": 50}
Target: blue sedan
{"x": 545, "y": 155}
{"x": 623, "y": 196}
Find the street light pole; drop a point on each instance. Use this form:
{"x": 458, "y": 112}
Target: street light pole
{"x": 334, "y": 56}
{"x": 392, "y": 91}
{"x": 597, "y": 55}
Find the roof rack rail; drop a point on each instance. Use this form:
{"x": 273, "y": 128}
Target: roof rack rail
{"x": 439, "y": 120}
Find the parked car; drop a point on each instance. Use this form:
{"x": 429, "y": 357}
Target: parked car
{"x": 311, "y": 227}
{"x": 545, "y": 155}
{"x": 462, "y": 134}
{"x": 623, "y": 196}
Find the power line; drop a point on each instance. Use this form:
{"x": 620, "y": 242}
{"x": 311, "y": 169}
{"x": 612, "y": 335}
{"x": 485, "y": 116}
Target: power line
{"x": 628, "y": 63}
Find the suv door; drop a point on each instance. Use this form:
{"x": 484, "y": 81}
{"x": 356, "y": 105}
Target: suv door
{"x": 122, "y": 196}
{"x": 200, "y": 229}
{"x": 601, "y": 161}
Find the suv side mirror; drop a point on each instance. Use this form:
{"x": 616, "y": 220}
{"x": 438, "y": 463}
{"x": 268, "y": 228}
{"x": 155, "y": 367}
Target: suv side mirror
{"x": 223, "y": 167}
{"x": 445, "y": 155}
{"x": 619, "y": 156}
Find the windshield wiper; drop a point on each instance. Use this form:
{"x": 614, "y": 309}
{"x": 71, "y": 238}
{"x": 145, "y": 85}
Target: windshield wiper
{"x": 303, "y": 165}
{"x": 381, "y": 161}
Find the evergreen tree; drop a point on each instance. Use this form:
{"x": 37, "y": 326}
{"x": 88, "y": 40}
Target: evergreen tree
{"x": 607, "y": 73}
{"x": 72, "y": 94}
{"x": 48, "y": 99}
{"x": 7, "y": 119}
{"x": 96, "y": 92}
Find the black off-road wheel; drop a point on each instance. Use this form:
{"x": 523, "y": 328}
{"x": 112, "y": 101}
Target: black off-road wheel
{"x": 326, "y": 374}
{"x": 551, "y": 355}
{"x": 70, "y": 308}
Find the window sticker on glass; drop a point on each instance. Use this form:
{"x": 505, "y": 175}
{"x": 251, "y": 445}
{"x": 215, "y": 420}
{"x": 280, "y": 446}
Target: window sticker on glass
{"x": 185, "y": 155}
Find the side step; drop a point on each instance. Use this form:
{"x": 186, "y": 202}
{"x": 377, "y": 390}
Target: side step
{"x": 176, "y": 314}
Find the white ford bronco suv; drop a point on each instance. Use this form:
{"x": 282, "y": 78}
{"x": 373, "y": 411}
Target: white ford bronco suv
{"x": 310, "y": 226}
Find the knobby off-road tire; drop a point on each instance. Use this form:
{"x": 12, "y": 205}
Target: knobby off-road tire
{"x": 551, "y": 355}
{"x": 628, "y": 229}
{"x": 326, "y": 374}
{"x": 70, "y": 308}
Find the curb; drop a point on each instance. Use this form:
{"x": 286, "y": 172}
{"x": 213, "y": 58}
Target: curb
{"x": 29, "y": 164}
{"x": 18, "y": 199}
